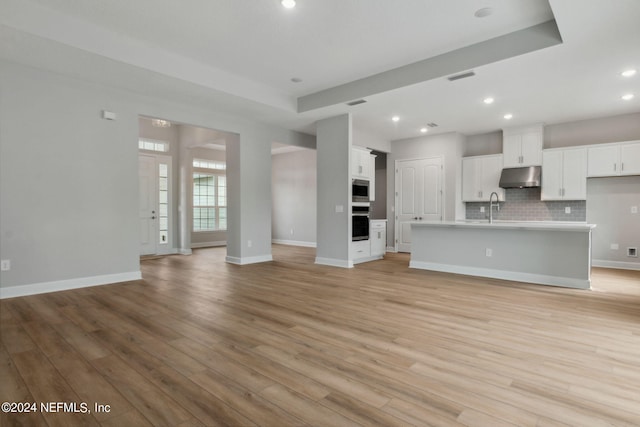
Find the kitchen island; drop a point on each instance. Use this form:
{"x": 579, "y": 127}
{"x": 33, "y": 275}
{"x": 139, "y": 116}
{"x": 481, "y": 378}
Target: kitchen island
{"x": 547, "y": 253}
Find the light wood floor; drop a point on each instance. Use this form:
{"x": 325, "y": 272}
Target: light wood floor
{"x": 202, "y": 342}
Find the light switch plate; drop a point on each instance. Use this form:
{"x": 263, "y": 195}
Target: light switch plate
{"x": 567, "y": 210}
{"x": 634, "y": 209}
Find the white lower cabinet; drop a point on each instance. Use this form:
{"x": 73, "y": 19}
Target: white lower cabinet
{"x": 360, "y": 250}
{"x": 378, "y": 237}
{"x": 375, "y": 247}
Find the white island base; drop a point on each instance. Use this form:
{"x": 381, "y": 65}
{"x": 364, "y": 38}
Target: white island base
{"x": 554, "y": 254}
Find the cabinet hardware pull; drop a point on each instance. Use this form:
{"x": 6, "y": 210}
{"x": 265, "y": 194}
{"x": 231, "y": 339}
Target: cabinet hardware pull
{"x": 614, "y": 166}
{"x": 622, "y": 166}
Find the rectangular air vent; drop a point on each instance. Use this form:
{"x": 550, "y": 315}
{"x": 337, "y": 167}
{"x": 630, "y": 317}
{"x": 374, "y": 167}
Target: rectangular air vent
{"x": 356, "y": 102}
{"x": 461, "y": 76}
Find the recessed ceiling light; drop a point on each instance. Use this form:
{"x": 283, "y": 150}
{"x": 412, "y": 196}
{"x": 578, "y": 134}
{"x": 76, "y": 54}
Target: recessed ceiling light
{"x": 289, "y": 4}
{"x": 395, "y": 118}
{"x": 508, "y": 116}
{"x": 424, "y": 130}
{"x": 488, "y": 100}
{"x": 484, "y": 12}
{"x": 629, "y": 73}
{"x": 628, "y": 96}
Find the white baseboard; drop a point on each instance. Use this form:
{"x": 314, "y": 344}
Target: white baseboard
{"x": 367, "y": 259}
{"x": 65, "y": 285}
{"x": 294, "y": 243}
{"x": 622, "y": 265}
{"x": 208, "y": 244}
{"x": 334, "y": 262}
{"x": 248, "y": 260}
{"x": 515, "y": 276}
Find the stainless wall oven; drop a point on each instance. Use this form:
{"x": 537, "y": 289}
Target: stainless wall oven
{"x": 360, "y": 223}
{"x": 360, "y": 190}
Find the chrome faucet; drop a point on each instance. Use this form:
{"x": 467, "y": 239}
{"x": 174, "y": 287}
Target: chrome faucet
{"x": 491, "y": 205}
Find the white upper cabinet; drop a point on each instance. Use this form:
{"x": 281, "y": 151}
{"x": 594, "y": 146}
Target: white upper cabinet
{"x": 360, "y": 163}
{"x": 630, "y": 159}
{"x": 564, "y": 174}
{"x": 614, "y": 159}
{"x": 480, "y": 177}
{"x": 522, "y": 146}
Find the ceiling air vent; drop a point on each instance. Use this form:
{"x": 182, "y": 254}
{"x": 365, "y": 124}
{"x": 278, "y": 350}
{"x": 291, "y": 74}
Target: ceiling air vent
{"x": 461, "y": 76}
{"x": 356, "y": 102}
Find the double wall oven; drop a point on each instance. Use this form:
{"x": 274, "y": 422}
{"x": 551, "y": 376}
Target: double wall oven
{"x": 360, "y": 210}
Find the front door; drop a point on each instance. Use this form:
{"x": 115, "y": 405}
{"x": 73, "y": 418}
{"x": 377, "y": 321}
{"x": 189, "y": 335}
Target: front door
{"x": 418, "y": 196}
{"x": 148, "y": 204}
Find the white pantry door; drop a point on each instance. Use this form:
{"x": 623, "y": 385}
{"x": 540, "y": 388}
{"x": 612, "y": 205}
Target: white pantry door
{"x": 418, "y": 196}
{"x": 148, "y": 204}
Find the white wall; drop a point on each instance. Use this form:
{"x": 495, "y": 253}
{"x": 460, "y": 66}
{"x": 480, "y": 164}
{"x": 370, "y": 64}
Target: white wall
{"x": 366, "y": 139}
{"x": 69, "y": 180}
{"x": 449, "y": 147}
{"x": 294, "y": 193}
{"x": 68, "y": 185}
{"x": 333, "y": 150}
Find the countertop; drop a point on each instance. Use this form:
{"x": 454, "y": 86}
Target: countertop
{"x": 510, "y": 225}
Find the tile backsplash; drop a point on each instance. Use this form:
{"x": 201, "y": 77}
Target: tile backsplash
{"x": 524, "y": 204}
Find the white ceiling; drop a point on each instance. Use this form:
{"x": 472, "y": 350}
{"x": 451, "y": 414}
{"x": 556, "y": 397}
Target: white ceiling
{"x": 240, "y": 56}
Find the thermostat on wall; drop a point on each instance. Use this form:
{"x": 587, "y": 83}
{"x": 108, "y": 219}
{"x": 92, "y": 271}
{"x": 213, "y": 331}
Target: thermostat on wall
{"x": 108, "y": 115}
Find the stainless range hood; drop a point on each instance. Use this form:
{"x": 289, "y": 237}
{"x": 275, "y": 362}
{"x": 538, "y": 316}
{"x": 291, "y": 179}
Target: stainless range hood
{"x": 525, "y": 177}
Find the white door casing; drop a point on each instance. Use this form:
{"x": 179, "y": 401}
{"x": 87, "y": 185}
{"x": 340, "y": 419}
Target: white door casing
{"x": 419, "y": 196}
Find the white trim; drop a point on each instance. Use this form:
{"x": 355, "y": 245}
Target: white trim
{"x": 295, "y": 243}
{"x": 185, "y": 251}
{"x": 248, "y": 260}
{"x": 64, "y": 285}
{"x": 622, "y": 265}
{"x": 334, "y": 262}
{"x": 515, "y": 276}
{"x": 208, "y": 244}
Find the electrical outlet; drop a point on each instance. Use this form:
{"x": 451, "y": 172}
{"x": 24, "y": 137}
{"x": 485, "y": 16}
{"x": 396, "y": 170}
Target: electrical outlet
{"x": 291, "y": 231}
{"x": 488, "y": 252}
{"x": 249, "y": 243}
{"x": 567, "y": 210}
{"x": 5, "y": 265}
{"x": 481, "y": 209}
{"x": 615, "y": 247}
{"x": 634, "y": 209}
{"x": 339, "y": 208}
